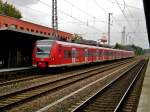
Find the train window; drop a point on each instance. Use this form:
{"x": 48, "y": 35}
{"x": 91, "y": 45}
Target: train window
{"x": 41, "y": 32}
{"x": 67, "y": 54}
{"x": 100, "y": 53}
{"x": 95, "y": 53}
{"x": 74, "y": 53}
{"x": 48, "y": 33}
{"x": 37, "y": 31}
{"x": 86, "y": 53}
{"x": 109, "y": 53}
{"x": 89, "y": 53}
{"x": 106, "y": 53}
{"x": 44, "y": 33}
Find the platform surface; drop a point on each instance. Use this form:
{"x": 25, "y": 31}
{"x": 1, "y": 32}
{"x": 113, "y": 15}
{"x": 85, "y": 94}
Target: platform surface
{"x": 14, "y": 69}
{"x": 144, "y": 103}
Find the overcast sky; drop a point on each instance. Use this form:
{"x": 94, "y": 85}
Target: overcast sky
{"x": 89, "y": 18}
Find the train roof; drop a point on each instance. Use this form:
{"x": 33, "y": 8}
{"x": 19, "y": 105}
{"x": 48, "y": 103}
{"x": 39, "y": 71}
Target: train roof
{"x": 88, "y": 46}
{"x": 81, "y": 45}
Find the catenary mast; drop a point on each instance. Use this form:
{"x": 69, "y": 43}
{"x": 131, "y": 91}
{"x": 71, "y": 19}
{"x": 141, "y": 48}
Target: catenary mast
{"x": 54, "y": 19}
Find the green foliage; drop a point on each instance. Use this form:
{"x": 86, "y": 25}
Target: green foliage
{"x": 118, "y": 46}
{"x": 9, "y": 10}
{"x": 76, "y": 38}
{"x": 136, "y": 49}
{"x": 1, "y": 7}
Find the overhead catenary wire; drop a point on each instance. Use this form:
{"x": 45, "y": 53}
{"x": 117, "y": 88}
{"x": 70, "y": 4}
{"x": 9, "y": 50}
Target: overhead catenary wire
{"x": 99, "y": 6}
{"x": 84, "y": 22}
{"x": 70, "y": 15}
{"x": 129, "y": 6}
{"x": 64, "y": 13}
{"x": 124, "y": 15}
{"x": 84, "y": 11}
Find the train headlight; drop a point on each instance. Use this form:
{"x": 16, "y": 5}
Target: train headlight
{"x": 52, "y": 58}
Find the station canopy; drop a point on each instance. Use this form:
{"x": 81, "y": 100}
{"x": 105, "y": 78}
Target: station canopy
{"x": 9, "y": 33}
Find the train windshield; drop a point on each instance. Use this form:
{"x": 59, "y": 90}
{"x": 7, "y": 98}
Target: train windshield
{"x": 43, "y": 48}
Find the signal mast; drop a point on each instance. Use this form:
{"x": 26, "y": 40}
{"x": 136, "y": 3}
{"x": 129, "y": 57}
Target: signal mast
{"x": 54, "y": 19}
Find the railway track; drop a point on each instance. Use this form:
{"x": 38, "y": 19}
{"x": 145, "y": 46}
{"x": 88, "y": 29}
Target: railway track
{"x": 10, "y": 99}
{"x": 19, "y": 80}
{"x": 110, "y": 97}
{"x": 27, "y": 78}
{"x": 131, "y": 101}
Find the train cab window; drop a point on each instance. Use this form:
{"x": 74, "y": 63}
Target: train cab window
{"x": 43, "y": 48}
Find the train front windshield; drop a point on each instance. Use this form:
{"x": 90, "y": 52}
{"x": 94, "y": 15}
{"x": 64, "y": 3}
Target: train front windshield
{"x": 43, "y": 48}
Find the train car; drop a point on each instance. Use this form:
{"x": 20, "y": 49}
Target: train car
{"x": 52, "y": 53}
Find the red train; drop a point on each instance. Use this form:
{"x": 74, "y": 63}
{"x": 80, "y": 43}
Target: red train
{"x": 52, "y": 53}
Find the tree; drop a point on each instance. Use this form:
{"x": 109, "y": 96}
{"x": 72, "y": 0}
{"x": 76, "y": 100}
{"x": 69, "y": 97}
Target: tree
{"x": 9, "y": 10}
{"x": 76, "y": 38}
{"x": 1, "y": 7}
{"x": 138, "y": 50}
{"x": 118, "y": 46}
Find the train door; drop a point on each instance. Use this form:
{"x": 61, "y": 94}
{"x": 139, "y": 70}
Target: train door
{"x": 74, "y": 55}
{"x": 86, "y": 55}
{"x": 113, "y": 55}
{"x": 97, "y": 54}
{"x": 102, "y": 54}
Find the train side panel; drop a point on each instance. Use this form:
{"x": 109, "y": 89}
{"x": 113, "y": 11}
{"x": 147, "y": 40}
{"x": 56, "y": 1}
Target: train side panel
{"x": 69, "y": 54}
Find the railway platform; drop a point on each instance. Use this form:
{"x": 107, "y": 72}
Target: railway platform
{"x": 144, "y": 102}
{"x": 14, "y": 70}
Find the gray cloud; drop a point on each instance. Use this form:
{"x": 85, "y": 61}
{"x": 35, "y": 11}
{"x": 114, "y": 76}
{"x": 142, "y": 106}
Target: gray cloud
{"x": 23, "y": 2}
{"x": 31, "y": 12}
